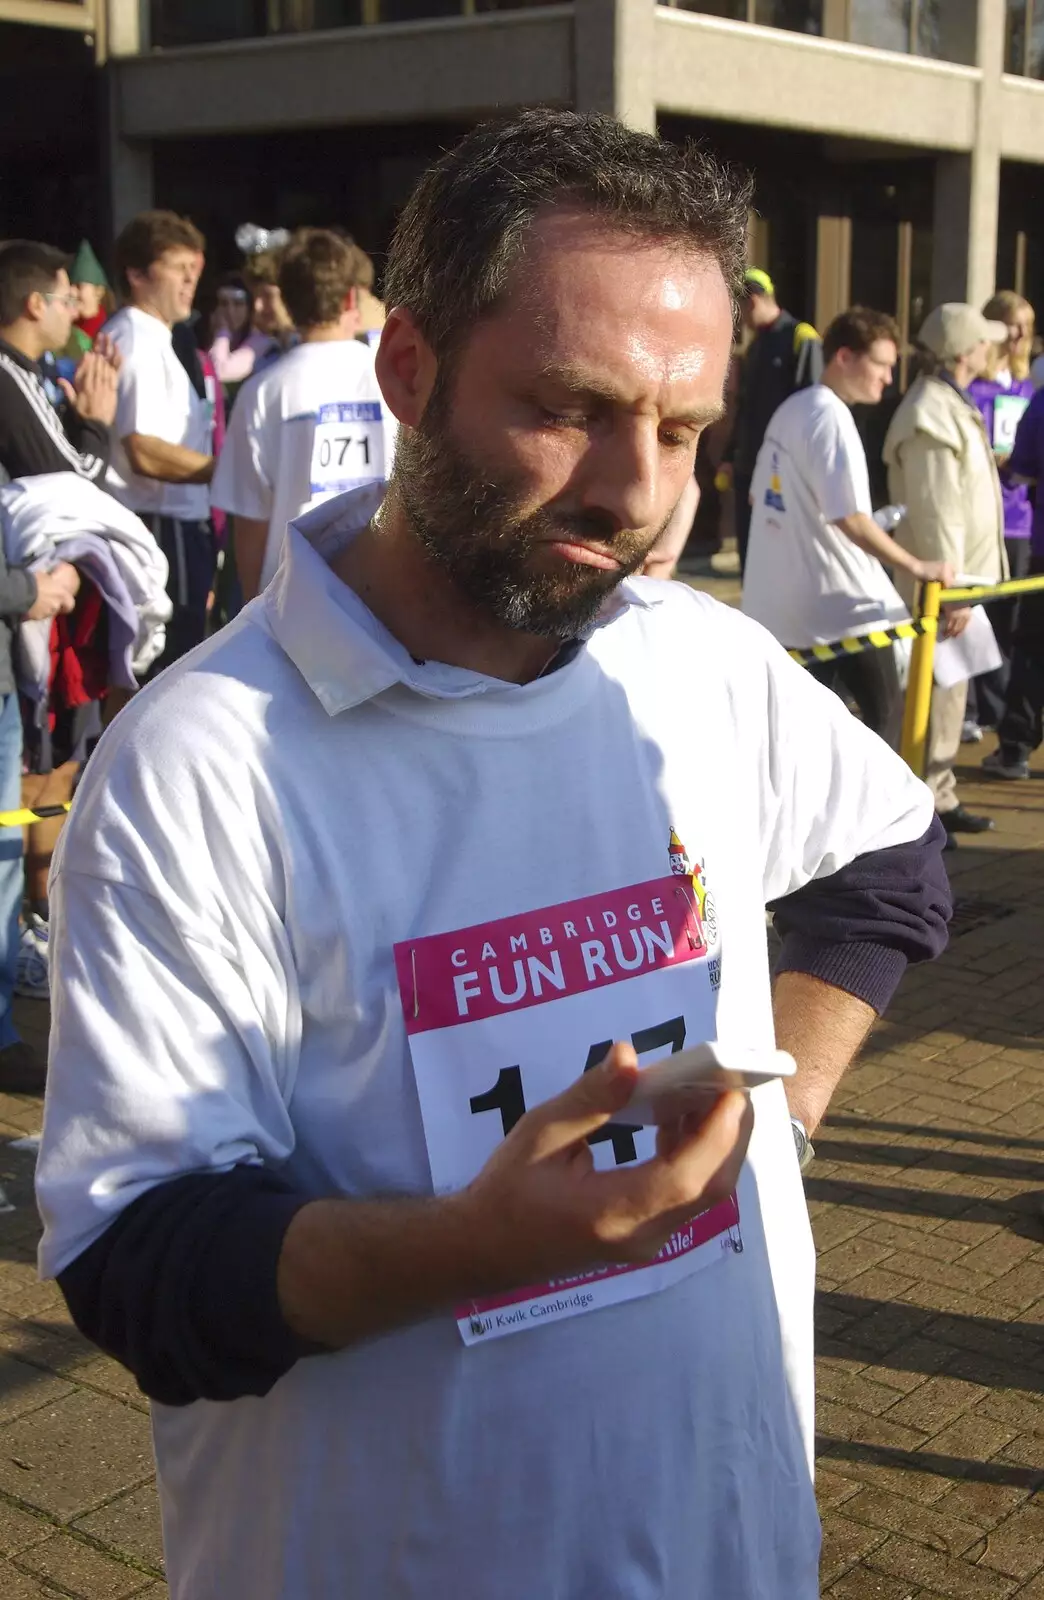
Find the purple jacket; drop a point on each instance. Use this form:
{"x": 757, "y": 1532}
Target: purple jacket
{"x": 1027, "y": 461}
{"x": 999, "y": 419}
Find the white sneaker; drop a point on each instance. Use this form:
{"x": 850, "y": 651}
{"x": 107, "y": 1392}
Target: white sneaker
{"x": 971, "y": 733}
{"x": 32, "y": 980}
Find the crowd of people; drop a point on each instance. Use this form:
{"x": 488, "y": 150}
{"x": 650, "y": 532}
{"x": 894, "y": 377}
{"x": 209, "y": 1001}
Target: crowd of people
{"x": 372, "y": 906}
{"x": 963, "y": 453}
{"x": 191, "y": 442}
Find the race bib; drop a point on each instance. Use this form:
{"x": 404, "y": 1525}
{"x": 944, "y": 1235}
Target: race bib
{"x": 1007, "y": 414}
{"x": 503, "y": 1015}
{"x": 348, "y": 446}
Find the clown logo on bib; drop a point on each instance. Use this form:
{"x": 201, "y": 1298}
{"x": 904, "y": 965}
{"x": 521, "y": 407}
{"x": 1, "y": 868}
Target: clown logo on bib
{"x": 678, "y": 857}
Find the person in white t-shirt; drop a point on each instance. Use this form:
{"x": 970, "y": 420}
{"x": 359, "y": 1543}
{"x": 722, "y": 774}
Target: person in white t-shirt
{"x": 814, "y": 568}
{"x": 312, "y": 425}
{"x": 337, "y": 1154}
{"x": 163, "y": 459}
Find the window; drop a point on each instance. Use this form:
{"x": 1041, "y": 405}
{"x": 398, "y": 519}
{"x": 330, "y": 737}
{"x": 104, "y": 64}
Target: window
{"x": 183, "y": 22}
{"x": 797, "y": 16}
{"x": 941, "y": 29}
{"x": 1024, "y": 38}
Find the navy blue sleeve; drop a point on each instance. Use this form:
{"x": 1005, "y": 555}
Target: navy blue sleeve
{"x": 859, "y": 928}
{"x": 181, "y": 1287}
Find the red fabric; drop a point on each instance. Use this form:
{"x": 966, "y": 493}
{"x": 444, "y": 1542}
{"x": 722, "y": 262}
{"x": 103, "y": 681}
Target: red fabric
{"x": 92, "y": 326}
{"x": 79, "y": 653}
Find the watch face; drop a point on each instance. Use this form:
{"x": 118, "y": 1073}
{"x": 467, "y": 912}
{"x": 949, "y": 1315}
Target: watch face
{"x": 802, "y": 1144}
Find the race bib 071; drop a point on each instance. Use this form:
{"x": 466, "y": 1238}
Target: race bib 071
{"x": 502, "y": 1015}
{"x": 347, "y": 447}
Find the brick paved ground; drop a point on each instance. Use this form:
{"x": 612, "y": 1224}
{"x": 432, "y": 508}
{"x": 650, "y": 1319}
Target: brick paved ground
{"x": 927, "y": 1198}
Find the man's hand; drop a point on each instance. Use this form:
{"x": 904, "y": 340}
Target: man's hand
{"x": 55, "y": 592}
{"x": 106, "y": 347}
{"x": 933, "y": 572}
{"x": 540, "y": 1209}
{"x": 955, "y": 620}
{"x": 93, "y": 391}
{"x": 350, "y": 1269}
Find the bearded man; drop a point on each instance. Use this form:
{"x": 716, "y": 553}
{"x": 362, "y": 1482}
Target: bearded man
{"x": 356, "y": 899}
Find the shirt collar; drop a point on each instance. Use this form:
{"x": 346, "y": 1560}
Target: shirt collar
{"x": 21, "y": 360}
{"x": 345, "y": 655}
{"x": 946, "y": 376}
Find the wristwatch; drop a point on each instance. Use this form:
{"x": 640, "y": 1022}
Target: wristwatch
{"x": 802, "y": 1144}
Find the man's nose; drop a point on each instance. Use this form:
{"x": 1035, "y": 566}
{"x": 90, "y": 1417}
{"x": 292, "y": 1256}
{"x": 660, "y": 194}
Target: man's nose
{"x": 623, "y": 475}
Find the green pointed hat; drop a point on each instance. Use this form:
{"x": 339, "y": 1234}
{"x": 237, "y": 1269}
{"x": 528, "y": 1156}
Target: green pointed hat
{"x": 86, "y": 268}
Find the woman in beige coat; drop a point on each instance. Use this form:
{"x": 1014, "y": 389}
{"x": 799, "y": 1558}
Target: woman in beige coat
{"x": 941, "y": 468}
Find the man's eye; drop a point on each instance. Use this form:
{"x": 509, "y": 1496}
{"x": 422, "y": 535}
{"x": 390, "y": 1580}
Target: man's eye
{"x": 563, "y": 419}
{"x": 677, "y": 441}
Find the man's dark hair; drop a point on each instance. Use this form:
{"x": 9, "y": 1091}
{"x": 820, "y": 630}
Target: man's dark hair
{"x": 318, "y": 270}
{"x": 464, "y": 227}
{"x": 26, "y": 268}
{"x": 147, "y": 236}
{"x": 857, "y": 329}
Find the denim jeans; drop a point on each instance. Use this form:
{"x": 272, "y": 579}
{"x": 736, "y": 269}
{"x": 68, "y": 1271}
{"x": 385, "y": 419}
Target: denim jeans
{"x": 12, "y": 874}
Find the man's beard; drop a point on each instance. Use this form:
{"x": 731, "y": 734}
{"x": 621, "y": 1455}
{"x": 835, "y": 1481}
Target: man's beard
{"x": 474, "y": 528}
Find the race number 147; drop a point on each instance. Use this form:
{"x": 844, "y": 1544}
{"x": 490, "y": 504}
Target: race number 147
{"x": 508, "y": 1096}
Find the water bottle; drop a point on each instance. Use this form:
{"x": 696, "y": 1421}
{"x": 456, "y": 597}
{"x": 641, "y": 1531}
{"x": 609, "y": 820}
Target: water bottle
{"x": 889, "y": 517}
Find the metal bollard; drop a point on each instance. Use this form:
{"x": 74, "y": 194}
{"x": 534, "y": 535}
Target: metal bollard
{"x": 917, "y": 709}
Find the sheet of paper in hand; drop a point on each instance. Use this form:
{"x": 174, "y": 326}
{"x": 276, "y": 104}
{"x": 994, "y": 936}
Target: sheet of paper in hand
{"x": 347, "y": 447}
{"x": 503, "y": 1015}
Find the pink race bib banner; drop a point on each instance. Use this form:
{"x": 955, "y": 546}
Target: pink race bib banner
{"x": 504, "y": 1014}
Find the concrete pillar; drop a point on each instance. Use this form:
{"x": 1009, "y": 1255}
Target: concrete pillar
{"x": 128, "y": 163}
{"x": 833, "y": 267}
{"x": 967, "y": 187}
{"x": 615, "y": 59}
{"x": 127, "y": 26}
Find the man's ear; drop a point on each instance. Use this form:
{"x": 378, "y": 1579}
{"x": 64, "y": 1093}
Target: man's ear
{"x": 406, "y": 367}
{"x": 351, "y": 300}
{"x": 35, "y": 306}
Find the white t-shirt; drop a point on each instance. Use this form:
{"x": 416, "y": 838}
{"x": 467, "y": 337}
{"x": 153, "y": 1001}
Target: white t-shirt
{"x": 269, "y": 850}
{"x": 805, "y": 580}
{"x": 156, "y": 397}
{"x": 311, "y": 426}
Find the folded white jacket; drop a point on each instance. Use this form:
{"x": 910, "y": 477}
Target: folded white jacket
{"x": 60, "y": 516}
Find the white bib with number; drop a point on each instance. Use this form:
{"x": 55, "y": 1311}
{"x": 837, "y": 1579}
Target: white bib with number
{"x": 347, "y": 447}
{"x": 1007, "y": 414}
{"x": 505, "y": 1014}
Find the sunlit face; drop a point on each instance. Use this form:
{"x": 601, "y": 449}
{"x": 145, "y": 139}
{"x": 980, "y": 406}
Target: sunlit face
{"x": 552, "y": 455}
{"x": 868, "y": 373}
{"x": 270, "y": 313}
{"x": 89, "y": 299}
{"x": 758, "y": 311}
{"x": 1020, "y": 330}
{"x": 57, "y": 311}
{"x": 978, "y": 358}
{"x": 169, "y": 286}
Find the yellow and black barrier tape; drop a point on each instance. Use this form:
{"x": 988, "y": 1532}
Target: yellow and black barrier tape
{"x": 1009, "y": 590}
{"x": 879, "y": 639}
{"x": 23, "y": 817}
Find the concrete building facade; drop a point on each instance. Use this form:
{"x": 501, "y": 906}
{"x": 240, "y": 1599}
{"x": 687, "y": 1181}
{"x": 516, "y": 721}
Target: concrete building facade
{"x": 897, "y": 145}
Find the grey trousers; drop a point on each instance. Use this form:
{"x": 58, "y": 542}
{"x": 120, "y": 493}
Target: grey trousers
{"x": 944, "y": 741}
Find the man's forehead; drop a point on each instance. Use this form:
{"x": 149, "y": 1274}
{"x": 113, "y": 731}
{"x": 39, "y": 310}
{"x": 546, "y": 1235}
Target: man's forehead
{"x": 596, "y": 308}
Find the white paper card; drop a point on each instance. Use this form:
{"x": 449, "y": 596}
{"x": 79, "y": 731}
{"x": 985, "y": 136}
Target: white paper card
{"x": 974, "y": 651}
